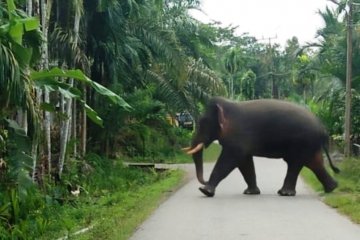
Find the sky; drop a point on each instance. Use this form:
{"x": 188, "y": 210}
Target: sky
{"x": 279, "y": 20}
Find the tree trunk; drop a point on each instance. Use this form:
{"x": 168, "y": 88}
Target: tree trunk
{"x": 65, "y": 135}
{"x": 74, "y": 126}
{"x": 78, "y": 5}
{"x": 29, "y": 7}
{"x": 21, "y": 119}
{"x": 35, "y": 142}
{"x": 67, "y": 126}
{"x": 22, "y": 114}
{"x": 45, "y": 65}
{"x": 83, "y": 127}
{"x": 349, "y": 55}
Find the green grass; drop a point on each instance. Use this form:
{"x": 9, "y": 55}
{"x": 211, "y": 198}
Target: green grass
{"x": 346, "y": 198}
{"x": 119, "y": 221}
{"x": 118, "y": 199}
{"x": 114, "y": 199}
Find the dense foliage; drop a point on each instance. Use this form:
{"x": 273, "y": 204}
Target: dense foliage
{"x": 40, "y": 213}
{"x": 129, "y": 67}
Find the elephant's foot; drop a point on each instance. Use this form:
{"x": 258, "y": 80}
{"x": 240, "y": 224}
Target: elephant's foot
{"x": 252, "y": 191}
{"x": 287, "y": 192}
{"x": 330, "y": 187}
{"x": 207, "y": 190}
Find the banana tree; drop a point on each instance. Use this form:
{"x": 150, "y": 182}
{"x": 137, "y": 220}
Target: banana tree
{"x": 47, "y": 80}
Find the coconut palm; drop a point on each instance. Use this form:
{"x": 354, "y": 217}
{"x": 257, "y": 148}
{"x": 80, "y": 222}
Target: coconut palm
{"x": 331, "y": 60}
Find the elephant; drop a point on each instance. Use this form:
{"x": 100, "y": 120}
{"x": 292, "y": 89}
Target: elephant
{"x": 265, "y": 128}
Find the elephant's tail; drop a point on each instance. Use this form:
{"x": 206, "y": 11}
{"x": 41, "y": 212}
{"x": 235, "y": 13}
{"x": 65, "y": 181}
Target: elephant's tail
{"x": 335, "y": 169}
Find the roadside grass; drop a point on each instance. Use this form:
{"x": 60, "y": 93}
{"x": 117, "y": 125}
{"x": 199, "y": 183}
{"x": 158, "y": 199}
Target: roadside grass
{"x": 119, "y": 221}
{"x": 120, "y": 214}
{"x": 346, "y": 198}
{"x": 117, "y": 199}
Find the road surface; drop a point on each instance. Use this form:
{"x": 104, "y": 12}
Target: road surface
{"x": 188, "y": 215}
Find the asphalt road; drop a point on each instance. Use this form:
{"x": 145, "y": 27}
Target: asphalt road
{"x": 188, "y": 215}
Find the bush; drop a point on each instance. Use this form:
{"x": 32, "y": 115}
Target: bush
{"x": 350, "y": 169}
{"x": 331, "y": 112}
{"x": 155, "y": 143}
{"x": 32, "y": 212}
{"x": 144, "y": 133}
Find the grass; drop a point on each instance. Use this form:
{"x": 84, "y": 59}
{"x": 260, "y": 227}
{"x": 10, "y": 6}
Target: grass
{"x": 114, "y": 199}
{"x": 119, "y": 221}
{"x": 118, "y": 199}
{"x": 346, "y": 198}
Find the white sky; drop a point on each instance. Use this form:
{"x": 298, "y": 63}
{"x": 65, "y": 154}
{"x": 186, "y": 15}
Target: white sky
{"x": 282, "y": 19}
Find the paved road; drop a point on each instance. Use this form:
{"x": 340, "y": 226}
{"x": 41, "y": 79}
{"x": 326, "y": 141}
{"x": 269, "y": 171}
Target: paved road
{"x": 187, "y": 215}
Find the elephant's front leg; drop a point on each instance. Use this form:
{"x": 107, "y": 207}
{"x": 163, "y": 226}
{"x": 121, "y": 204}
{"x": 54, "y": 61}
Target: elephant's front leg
{"x": 292, "y": 174}
{"x": 224, "y": 165}
{"x": 247, "y": 169}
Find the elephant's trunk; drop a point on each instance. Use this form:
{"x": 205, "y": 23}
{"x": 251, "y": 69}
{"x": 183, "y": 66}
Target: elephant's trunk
{"x": 197, "y": 152}
{"x": 198, "y": 160}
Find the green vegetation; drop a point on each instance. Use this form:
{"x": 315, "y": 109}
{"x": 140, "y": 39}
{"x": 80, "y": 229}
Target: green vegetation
{"x": 346, "y": 198}
{"x": 123, "y": 212}
{"x": 212, "y": 153}
{"x": 112, "y": 198}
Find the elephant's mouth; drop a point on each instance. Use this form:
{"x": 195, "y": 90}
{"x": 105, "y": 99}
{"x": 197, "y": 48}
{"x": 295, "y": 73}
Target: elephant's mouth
{"x": 196, "y": 152}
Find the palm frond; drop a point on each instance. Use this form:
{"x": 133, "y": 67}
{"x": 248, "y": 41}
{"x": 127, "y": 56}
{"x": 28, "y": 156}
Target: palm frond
{"x": 163, "y": 46}
{"x": 332, "y": 24}
{"x": 11, "y": 85}
{"x": 168, "y": 93}
{"x": 202, "y": 81}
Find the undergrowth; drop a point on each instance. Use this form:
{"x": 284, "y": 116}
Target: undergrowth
{"x": 112, "y": 196}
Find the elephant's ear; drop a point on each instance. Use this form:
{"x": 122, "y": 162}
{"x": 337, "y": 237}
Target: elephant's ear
{"x": 221, "y": 117}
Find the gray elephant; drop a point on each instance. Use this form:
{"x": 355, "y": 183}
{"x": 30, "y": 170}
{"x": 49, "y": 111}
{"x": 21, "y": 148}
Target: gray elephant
{"x": 266, "y": 128}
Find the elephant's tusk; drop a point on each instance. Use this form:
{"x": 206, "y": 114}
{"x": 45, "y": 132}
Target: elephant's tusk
{"x": 196, "y": 149}
{"x": 186, "y": 149}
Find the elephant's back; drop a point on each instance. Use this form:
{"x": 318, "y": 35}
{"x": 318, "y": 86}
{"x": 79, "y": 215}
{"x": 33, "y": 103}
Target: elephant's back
{"x": 274, "y": 124}
{"x": 276, "y": 112}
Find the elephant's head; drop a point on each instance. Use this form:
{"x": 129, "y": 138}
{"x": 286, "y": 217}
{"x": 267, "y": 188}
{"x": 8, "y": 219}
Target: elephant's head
{"x": 209, "y": 129}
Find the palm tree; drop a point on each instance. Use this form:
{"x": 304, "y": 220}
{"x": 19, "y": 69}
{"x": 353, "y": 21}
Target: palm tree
{"x": 45, "y": 65}
{"x": 332, "y": 46}
{"x": 71, "y": 115}
{"x": 144, "y": 47}
{"x": 233, "y": 64}
{"x": 18, "y": 51}
{"x": 332, "y": 55}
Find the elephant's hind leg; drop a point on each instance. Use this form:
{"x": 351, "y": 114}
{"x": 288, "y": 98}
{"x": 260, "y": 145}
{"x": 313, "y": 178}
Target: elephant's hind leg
{"x": 247, "y": 169}
{"x": 317, "y": 166}
{"x": 288, "y": 188}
